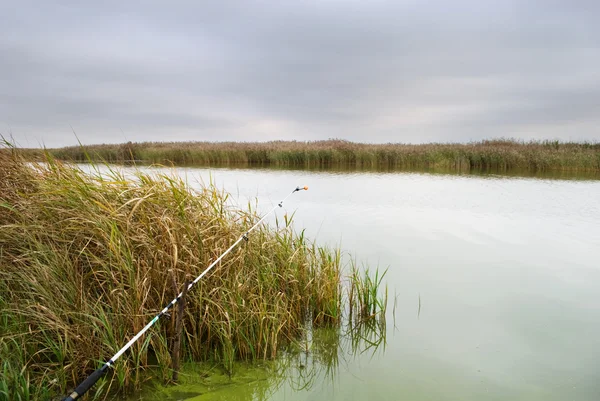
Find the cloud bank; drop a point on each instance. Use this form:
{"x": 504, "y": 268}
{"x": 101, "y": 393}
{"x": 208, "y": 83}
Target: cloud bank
{"x": 377, "y": 71}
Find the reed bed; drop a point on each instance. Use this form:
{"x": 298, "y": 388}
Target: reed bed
{"x": 495, "y": 155}
{"x": 87, "y": 259}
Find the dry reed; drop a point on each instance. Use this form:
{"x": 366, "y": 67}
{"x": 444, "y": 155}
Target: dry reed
{"x": 87, "y": 259}
{"x": 490, "y": 155}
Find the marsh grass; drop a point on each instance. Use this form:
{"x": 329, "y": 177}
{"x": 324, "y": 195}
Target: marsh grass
{"x": 496, "y": 155}
{"x": 87, "y": 259}
{"x": 367, "y": 296}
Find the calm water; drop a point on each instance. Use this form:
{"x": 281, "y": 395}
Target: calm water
{"x": 507, "y": 271}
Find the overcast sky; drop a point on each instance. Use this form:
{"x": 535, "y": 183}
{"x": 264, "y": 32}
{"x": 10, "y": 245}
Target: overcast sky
{"x": 370, "y": 71}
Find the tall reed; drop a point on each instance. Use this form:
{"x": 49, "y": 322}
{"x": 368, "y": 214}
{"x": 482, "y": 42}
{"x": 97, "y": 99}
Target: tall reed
{"x": 490, "y": 155}
{"x": 87, "y": 259}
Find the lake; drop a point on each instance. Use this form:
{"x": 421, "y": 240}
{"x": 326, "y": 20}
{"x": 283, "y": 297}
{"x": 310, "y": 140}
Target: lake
{"x": 494, "y": 284}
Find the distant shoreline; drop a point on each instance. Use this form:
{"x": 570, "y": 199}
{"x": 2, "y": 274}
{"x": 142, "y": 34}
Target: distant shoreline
{"x": 488, "y": 155}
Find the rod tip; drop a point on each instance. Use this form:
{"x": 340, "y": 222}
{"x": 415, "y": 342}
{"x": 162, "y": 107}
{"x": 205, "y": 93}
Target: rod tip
{"x": 305, "y": 188}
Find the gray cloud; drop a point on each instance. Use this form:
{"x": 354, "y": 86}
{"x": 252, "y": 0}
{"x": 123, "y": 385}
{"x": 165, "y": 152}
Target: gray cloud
{"x": 397, "y": 71}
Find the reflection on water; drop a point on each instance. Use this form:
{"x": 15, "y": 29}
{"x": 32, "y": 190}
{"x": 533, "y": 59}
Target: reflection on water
{"x": 302, "y": 365}
{"x": 354, "y": 169}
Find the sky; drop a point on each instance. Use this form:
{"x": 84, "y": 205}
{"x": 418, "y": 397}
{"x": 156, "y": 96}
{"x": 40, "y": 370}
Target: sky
{"x": 366, "y": 71}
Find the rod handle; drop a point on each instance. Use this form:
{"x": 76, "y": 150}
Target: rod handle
{"x": 86, "y": 384}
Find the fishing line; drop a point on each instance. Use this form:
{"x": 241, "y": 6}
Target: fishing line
{"x": 94, "y": 377}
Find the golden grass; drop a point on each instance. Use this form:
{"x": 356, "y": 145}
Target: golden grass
{"x": 87, "y": 260}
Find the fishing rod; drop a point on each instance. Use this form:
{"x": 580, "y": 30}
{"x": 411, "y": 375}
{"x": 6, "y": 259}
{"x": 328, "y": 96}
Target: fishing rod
{"x": 94, "y": 377}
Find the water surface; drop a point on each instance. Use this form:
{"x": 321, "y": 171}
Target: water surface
{"x": 506, "y": 270}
